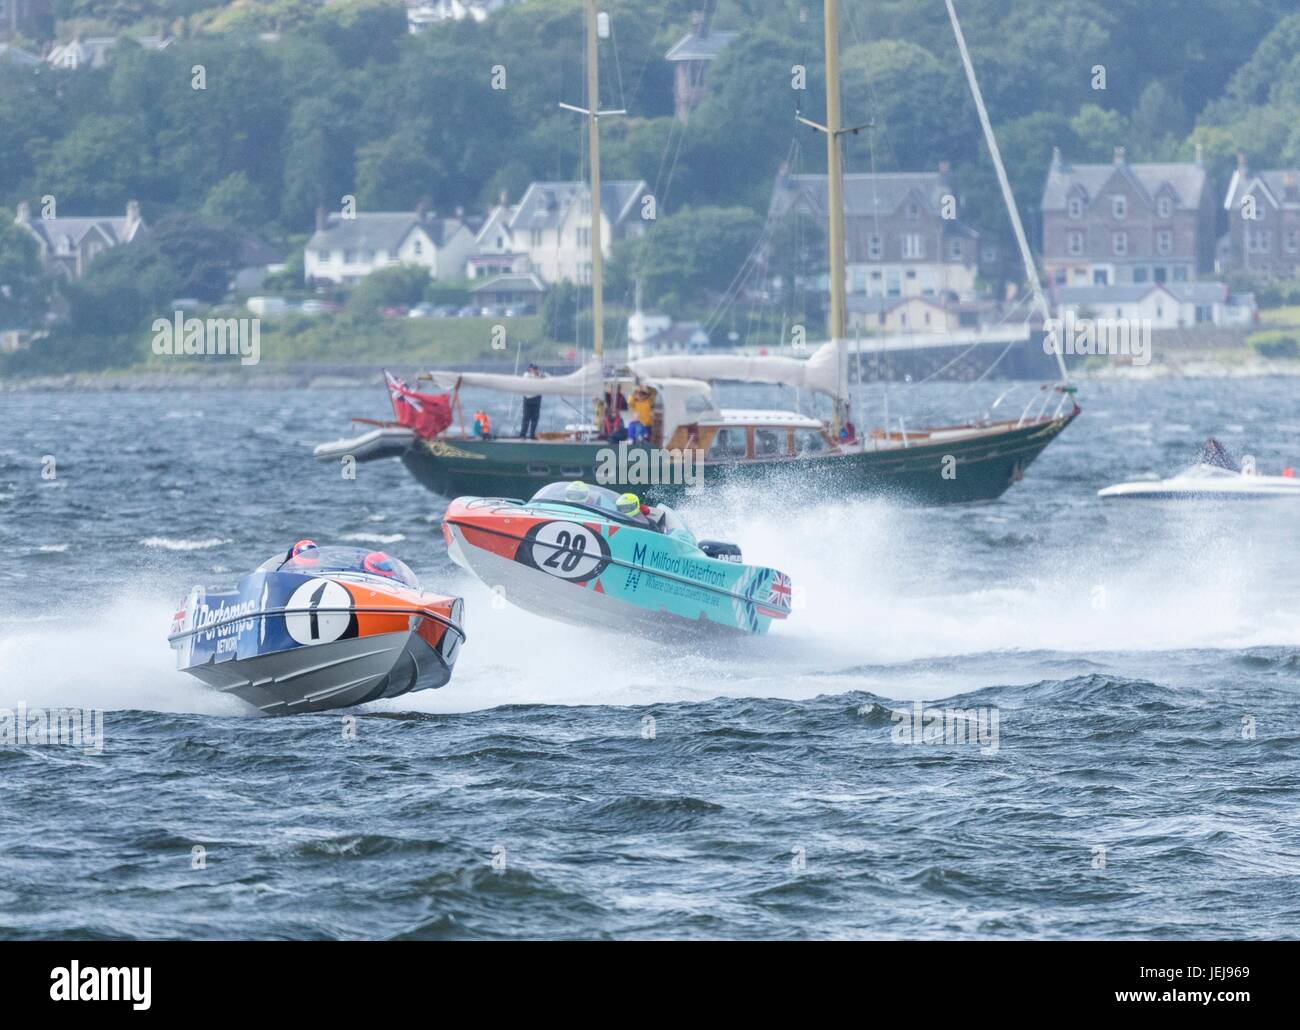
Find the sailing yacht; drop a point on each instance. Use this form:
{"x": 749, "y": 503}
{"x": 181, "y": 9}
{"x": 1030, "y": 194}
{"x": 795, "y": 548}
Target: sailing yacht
{"x": 691, "y": 437}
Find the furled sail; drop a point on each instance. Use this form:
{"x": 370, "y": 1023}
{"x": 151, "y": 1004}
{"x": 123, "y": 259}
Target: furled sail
{"x": 825, "y": 372}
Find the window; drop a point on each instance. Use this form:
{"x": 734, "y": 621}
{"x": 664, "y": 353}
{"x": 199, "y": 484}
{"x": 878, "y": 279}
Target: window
{"x": 1164, "y": 207}
{"x": 809, "y": 441}
{"x": 727, "y": 443}
{"x": 1141, "y": 273}
{"x": 893, "y": 283}
{"x": 584, "y": 236}
{"x": 954, "y": 250}
{"x": 769, "y": 442}
{"x": 1164, "y": 242}
{"x": 913, "y": 245}
{"x": 417, "y": 248}
{"x": 323, "y": 256}
{"x": 1161, "y": 273}
{"x": 1181, "y": 273}
{"x": 1076, "y": 207}
{"x": 1259, "y": 241}
{"x": 1074, "y": 243}
{"x": 1119, "y": 206}
{"x": 349, "y": 256}
{"x": 1292, "y": 240}
{"x": 913, "y": 211}
{"x": 1119, "y": 243}
{"x": 1099, "y": 277}
{"x": 1204, "y": 313}
{"x": 874, "y": 249}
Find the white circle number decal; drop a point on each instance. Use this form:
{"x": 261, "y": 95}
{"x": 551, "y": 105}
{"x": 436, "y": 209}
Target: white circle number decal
{"x": 567, "y": 550}
{"x": 312, "y": 615}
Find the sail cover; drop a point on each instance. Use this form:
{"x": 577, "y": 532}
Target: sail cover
{"x": 586, "y": 381}
{"x": 825, "y": 372}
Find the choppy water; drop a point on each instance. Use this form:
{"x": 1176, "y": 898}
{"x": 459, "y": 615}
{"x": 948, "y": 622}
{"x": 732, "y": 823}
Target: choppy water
{"x": 570, "y": 783}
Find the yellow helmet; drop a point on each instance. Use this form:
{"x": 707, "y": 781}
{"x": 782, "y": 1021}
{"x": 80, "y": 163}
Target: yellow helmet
{"x": 577, "y": 491}
{"x": 628, "y": 504}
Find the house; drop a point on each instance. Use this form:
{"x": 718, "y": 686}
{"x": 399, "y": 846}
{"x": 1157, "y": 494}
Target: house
{"x": 1263, "y": 236}
{"x": 1122, "y": 224}
{"x": 552, "y": 225}
{"x": 516, "y": 293}
{"x": 256, "y": 260}
{"x": 649, "y": 335}
{"x": 24, "y": 18}
{"x": 345, "y": 250}
{"x": 1164, "y": 305}
{"x": 93, "y": 52}
{"x": 426, "y": 13}
{"x": 494, "y": 249}
{"x": 67, "y": 246}
{"x": 911, "y": 314}
{"x": 690, "y": 57}
{"x": 902, "y": 232}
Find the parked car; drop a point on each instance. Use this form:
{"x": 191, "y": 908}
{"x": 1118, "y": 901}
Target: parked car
{"x": 318, "y": 307}
{"x": 422, "y": 311}
{"x": 395, "y": 311}
{"x": 468, "y": 311}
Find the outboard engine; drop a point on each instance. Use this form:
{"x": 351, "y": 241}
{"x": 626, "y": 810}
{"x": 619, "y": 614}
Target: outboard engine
{"x": 721, "y": 550}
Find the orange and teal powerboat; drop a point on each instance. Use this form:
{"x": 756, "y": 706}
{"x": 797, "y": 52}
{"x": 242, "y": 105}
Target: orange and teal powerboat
{"x": 575, "y": 553}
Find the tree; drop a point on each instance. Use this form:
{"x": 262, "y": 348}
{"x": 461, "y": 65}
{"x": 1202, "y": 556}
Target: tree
{"x": 388, "y": 287}
{"x": 24, "y": 287}
{"x": 236, "y": 200}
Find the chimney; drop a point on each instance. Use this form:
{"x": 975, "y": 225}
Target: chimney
{"x": 1119, "y": 155}
{"x": 322, "y": 220}
{"x": 460, "y": 212}
{"x": 421, "y": 210}
{"x": 697, "y": 23}
{"x": 1241, "y": 161}
{"x": 944, "y": 167}
{"x": 1056, "y": 157}
{"x": 502, "y": 198}
{"x": 132, "y": 217}
{"x": 1289, "y": 190}
{"x": 24, "y": 213}
{"x": 1200, "y": 154}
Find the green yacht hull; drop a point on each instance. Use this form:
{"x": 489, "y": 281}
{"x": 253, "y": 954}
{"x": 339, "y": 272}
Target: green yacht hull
{"x": 960, "y": 471}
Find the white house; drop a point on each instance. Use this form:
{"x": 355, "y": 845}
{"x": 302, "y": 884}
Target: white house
{"x": 553, "y": 222}
{"x": 92, "y": 52}
{"x": 494, "y": 250}
{"x": 1163, "y": 305}
{"x": 67, "y": 246}
{"x": 345, "y": 250}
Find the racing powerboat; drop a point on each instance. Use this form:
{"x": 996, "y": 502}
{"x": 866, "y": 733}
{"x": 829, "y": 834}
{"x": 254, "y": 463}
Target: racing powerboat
{"x": 575, "y": 554}
{"x": 1217, "y": 476}
{"x": 319, "y": 628}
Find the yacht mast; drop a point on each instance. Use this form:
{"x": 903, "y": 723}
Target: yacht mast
{"x": 834, "y": 171}
{"x": 593, "y": 134}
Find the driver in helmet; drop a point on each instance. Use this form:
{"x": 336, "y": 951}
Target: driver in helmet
{"x": 630, "y": 507}
{"x": 577, "y": 492}
{"x": 304, "y": 552}
{"x": 377, "y": 563}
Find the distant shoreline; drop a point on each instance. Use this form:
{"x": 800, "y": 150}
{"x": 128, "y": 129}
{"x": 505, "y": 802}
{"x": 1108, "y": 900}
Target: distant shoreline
{"x": 330, "y": 376}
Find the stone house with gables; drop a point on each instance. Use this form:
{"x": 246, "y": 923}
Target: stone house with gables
{"x": 1121, "y": 223}
{"x": 902, "y": 231}
{"x": 67, "y": 246}
{"x": 1263, "y": 236}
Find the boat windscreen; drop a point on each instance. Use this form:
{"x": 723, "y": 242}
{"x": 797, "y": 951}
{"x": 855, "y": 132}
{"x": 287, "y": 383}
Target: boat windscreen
{"x": 576, "y": 492}
{"x": 358, "y": 561}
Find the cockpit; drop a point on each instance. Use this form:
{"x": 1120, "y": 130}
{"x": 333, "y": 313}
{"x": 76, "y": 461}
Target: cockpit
{"x": 339, "y": 560}
{"x": 604, "y": 501}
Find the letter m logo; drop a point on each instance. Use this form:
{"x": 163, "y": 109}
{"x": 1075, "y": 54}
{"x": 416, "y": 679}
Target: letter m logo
{"x": 638, "y": 554}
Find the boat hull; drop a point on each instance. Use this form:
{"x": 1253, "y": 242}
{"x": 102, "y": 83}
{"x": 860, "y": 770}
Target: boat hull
{"x": 289, "y": 642}
{"x": 959, "y": 470}
{"x": 576, "y": 568}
